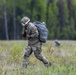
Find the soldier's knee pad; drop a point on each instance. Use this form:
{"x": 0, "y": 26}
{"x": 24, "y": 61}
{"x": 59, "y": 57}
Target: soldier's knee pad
{"x": 27, "y": 51}
{"x": 38, "y": 56}
{"x": 26, "y": 54}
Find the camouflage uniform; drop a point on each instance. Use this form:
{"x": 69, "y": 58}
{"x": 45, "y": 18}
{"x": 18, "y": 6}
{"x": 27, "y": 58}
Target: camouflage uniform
{"x": 34, "y": 45}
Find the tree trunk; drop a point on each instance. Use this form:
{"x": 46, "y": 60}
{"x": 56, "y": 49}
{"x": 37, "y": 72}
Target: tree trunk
{"x": 14, "y": 19}
{"x": 31, "y": 8}
{"x": 61, "y": 14}
{"x": 5, "y": 19}
{"x": 70, "y": 7}
{"x": 47, "y": 15}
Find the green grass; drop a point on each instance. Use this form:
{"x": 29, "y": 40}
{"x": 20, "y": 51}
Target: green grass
{"x": 63, "y": 59}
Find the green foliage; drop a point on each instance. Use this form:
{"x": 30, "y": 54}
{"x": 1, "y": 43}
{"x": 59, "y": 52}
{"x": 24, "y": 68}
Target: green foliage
{"x": 15, "y": 53}
{"x": 39, "y": 10}
{"x": 59, "y": 15}
{"x": 53, "y": 23}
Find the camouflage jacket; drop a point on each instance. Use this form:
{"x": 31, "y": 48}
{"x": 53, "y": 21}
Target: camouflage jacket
{"x": 33, "y": 32}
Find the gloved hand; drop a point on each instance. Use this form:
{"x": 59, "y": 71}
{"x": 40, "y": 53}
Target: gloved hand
{"x": 23, "y": 32}
{"x": 28, "y": 36}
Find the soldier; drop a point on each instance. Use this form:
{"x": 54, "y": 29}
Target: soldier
{"x": 34, "y": 45}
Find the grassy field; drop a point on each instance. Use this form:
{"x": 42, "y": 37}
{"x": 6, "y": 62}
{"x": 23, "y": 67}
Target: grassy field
{"x": 63, "y": 59}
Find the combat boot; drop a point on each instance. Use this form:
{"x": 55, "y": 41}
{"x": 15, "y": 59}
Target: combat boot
{"x": 25, "y": 64}
{"x": 48, "y": 64}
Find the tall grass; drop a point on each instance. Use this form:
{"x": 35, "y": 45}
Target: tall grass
{"x": 63, "y": 59}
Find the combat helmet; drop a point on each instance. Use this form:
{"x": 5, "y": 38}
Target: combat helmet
{"x": 24, "y": 21}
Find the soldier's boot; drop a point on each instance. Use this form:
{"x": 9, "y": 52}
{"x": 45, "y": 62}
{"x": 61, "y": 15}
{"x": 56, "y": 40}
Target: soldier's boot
{"x": 25, "y": 63}
{"x": 48, "y": 64}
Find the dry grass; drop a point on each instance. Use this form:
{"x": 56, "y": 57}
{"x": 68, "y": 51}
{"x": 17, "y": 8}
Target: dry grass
{"x": 62, "y": 57}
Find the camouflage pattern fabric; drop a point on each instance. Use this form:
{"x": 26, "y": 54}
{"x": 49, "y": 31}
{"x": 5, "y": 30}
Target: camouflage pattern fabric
{"x": 34, "y": 45}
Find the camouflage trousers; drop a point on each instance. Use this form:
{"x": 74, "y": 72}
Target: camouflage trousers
{"x": 37, "y": 52}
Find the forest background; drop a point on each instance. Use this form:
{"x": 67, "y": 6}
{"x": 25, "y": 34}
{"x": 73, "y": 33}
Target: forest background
{"x": 59, "y": 16}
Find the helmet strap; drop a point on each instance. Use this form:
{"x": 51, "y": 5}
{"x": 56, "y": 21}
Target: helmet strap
{"x": 27, "y": 22}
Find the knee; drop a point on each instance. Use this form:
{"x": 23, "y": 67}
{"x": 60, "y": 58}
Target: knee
{"x": 37, "y": 53}
{"x": 26, "y": 54}
{"x": 38, "y": 56}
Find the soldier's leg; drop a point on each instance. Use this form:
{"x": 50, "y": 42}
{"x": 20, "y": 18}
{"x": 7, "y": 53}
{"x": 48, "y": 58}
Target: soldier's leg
{"x": 39, "y": 56}
{"x": 28, "y": 52}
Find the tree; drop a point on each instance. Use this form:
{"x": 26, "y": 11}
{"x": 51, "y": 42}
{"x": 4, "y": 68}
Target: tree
{"x": 5, "y": 19}
{"x": 38, "y": 10}
{"x": 14, "y": 17}
{"x": 53, "y": 23}
{"x": 61, "y": 14}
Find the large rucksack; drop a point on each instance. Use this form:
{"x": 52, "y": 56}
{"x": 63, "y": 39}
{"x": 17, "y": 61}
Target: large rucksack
{"x": 43, "y": 32}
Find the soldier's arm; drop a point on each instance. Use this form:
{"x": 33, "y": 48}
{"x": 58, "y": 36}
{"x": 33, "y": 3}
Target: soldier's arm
{"x": 23, "y": 32}
{"x": 34, "y": 32}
